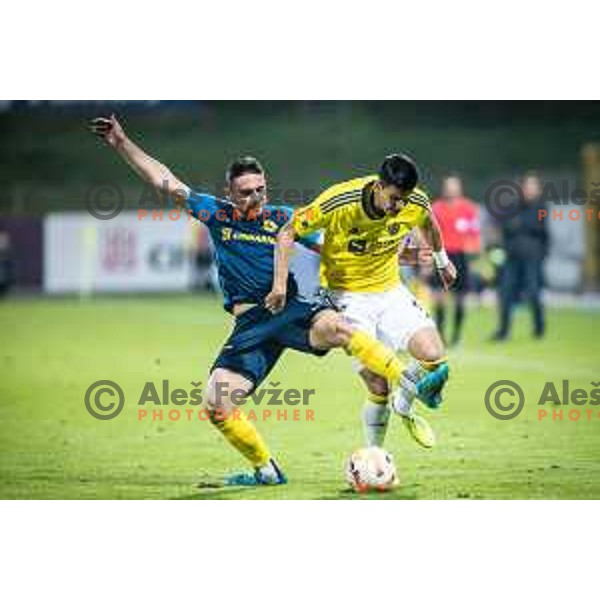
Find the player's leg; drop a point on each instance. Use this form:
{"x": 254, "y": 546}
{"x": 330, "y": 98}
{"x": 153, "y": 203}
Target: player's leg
{"x": 376, "y": 415}
{"x": 244, "y": 361}
{"x": 330, "y": 330}
{"x": 427, "y": 348}
{"x": 439, "y": 304}
{"x": 533, "y": 281}
{"x": 317, "y": 328}
{"x": 376, "y": 411}
{"x": 361, "y": 313}
{"x": 459, "y": 290}
{"x": 459, "y": 317}
{"x": 406, "y": 326}
{"x": 507, "y": 289}
{"x": 230, "y": 420}
{"x": 225, "y": 416}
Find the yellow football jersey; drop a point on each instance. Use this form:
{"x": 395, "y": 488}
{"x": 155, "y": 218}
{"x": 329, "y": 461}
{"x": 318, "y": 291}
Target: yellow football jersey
{"x": 360, "y": 248}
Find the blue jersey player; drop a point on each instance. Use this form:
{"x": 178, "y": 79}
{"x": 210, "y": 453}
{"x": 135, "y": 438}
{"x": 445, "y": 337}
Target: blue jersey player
{"x": 244, "y": 228}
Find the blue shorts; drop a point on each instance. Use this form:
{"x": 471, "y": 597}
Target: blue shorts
{"x": 259, "y": 337}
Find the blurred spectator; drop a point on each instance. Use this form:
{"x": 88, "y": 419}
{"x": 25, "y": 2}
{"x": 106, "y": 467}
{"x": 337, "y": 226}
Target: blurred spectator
{"x": 6, "y": 264}
{"x": 459, "y": 221}
{"x": 205, "y": 270}
{"x": 524, "y": 238}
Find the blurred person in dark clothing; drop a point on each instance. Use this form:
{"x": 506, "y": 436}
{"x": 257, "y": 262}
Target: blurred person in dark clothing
{"x": 459, "y": 221}
{"x": 203, "y": 256}
{"x": 6, "y": 264}
{"x": 524, "y": 239}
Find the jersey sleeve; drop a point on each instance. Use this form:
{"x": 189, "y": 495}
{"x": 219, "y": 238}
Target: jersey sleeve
{"x": 422, "y": 201}
{"x": 312, "y": 241}
{"x": 316, "y": 215}
{"x": 202, "y": 207}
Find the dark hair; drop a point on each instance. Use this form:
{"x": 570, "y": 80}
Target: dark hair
{"x": 399, "y": 170}
{"x": 452, "y": 175}
{"x": 242, "y": 166}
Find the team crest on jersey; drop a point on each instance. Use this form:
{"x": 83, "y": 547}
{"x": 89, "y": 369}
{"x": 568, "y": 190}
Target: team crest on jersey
{"x": 270, "y": 226}
{"x": 304, "y": 217}
{"x": 394, "y": 228}
{"x": 357, "y": 246}
{"x": 354, "y": 231}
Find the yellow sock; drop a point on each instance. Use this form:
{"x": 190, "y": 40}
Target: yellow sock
{"x": 243, "y": 436}
{"x": 377, "y": 357}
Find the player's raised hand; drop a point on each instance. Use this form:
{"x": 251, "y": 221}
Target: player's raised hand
{"x": 448, "y": 275}
{"x": 425, "y": 256}
{"x": 109, "y": 129}
{"x": 275, "y": 300}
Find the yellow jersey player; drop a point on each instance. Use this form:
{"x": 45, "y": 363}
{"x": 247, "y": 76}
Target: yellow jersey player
{"x": 364, "y": 222}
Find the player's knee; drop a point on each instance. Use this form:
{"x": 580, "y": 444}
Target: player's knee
{"x": 427, "y": 346}
{"x": 375, "y": 384}
{"x": 328, "y": 330}
{"x": 215, "y": 404}
{"x": 432, "y": 353}
{"x": 218, "y": 393}
{"x": 439, "y": 299}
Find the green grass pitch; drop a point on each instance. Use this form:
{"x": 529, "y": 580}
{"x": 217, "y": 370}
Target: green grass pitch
{"x": 50, "y": 447}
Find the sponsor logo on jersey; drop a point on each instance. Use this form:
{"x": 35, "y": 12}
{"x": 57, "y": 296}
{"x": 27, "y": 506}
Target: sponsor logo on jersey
{"x": 270, "y": 226}
{"x": 229, "y": 235}
{"x": 357, "y": 246}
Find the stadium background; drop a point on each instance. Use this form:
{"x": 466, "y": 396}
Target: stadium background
{"x": 55, "y": 345}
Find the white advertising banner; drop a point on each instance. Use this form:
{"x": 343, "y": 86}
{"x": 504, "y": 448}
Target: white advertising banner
{"x": 85, "y": 255}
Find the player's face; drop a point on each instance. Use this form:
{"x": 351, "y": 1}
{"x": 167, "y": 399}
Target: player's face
{"x": 390, "y": 199}
{"x": 532, "y": 188}
{"x": 248, "y": 192}
{"x": 452, "y": 187}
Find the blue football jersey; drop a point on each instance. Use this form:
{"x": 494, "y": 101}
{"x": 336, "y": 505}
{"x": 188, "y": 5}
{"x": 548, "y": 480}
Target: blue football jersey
{"x": 244, "y": 247}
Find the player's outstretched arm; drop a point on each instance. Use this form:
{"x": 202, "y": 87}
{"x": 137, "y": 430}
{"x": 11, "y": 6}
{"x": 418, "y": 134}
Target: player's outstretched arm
{"x": 433, "y": 234}
{"x": 415, "y": 251}
{"x": 305, "y": 221}
{"x": 276, "y": 298}
{"x": 149, "y": 169}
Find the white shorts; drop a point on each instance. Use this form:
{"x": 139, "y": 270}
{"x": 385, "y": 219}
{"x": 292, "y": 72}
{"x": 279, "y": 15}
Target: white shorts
{"x": 392, "y": 317}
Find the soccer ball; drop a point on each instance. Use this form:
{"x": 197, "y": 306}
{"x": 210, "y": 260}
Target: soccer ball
{"x": 371, "y": 469}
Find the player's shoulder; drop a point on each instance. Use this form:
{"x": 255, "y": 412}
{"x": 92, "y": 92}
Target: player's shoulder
{"x": 198, "y": 200}
{"x": 280, "y": 213}
{"x": 344, "y": 195}
{"x": 420, "y": 197}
